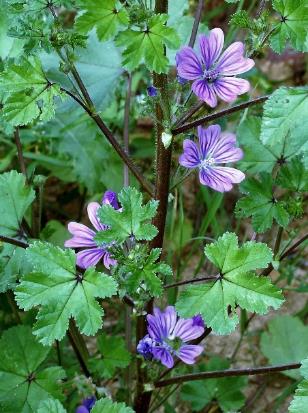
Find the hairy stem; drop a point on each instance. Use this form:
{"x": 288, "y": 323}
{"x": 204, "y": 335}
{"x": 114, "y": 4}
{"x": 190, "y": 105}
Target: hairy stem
{"x": 248, "y": 371}
{"x": 196, "y": 24}
{"x": 216, "y": 115}
{"x": 126, "y": 126}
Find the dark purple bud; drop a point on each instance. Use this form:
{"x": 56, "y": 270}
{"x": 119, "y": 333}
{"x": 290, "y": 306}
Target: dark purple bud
{"x": 152, "y": 91}
{"x": 181, "y": 80}
{"x": 82, "y": 409}
{"x": 110, "y": 198}
{"x": 198, "y": 321}
{"x": 145, "y": 347}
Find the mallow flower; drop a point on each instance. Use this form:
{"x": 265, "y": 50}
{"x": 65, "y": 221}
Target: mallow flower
{"x": 212, "y": 71}
{"x": 86, "y": 405}
{"x": 213, "y": 149}
{"x": 168, "y": 336}
{"x": 83, "y": 237}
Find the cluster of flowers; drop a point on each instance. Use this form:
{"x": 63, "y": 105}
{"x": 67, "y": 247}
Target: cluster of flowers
{"x": 213, "y": 75}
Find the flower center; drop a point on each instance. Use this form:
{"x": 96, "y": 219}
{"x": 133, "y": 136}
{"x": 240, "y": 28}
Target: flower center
{"x": 205, "y": 163}
{"x": 211, "y": 75}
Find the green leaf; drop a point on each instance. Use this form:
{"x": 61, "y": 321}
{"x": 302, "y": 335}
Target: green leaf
{"x": 260, "y": 157}
{"x": 12, "y": 261}
{"x": 293, "y": 25}
{"x": 28, "y": 95}
{"x": 294, "y": 176}
{"x": 24, "y": 382}
{"x": 285, "y": 342}
{"x": 114, "y": 355}
{"x": 148, "y": 45}
{"x": 260, "y": 203}
{"x": 300, "y": 402}
{"x": 285, "y": 112}
{"x": 108, "y": 406}
{"x": 235, "y": 284}
{"x": 62, "y": 293}
{"x": 15, "y": 198}
{"x": 104, "y": 15}
{"x": 51, "y": 406}
{"x": 140, "y": 270}
{"x": 132, "y": 220}
{"x": 226, "y": 391}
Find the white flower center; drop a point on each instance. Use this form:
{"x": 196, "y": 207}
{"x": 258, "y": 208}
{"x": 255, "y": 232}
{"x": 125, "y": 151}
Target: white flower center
{"x": 205, "y": 163}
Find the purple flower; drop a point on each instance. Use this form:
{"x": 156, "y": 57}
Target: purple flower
{"x": 152, "y": 91}
{"x": 214, "y": 148}
{"x": 169, "y": 335}
{"x": 198, "y": 321}
{"x": 212, "y": 72}
{"x": 86, "y": 405}
{"x": 84, "y": 236}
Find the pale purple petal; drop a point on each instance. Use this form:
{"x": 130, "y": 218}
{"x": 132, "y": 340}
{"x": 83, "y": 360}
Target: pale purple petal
{"x": 110, "y": 198}
{"x": 211, "y": 46}
{"x": 82, "y": 409}
{"x": 228, "y": 88}
{"x": 190, "y": 158}
{"x": 170, "y": 317}
{"x": 208, "y": 138}
{"x": 92, "y": 209}
{"x": 233, "y": 62}
{"x": 186, "y": 330}
{"x": 162, "y": 354}
{"x": 89, "y": 257}
{"x": 205, "y": 92}
{"x": 82, "y": 236}
{"x": 156, "y": 327}
{"x": 108, "y": 261}
{"x": 224, "y": 150}
{"x": 188, "y": 64}
{"x": 189, "y": 352}
{"x": 221, "y": 178}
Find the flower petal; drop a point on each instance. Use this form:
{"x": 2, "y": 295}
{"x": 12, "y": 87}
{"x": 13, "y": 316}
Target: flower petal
{"x": 208, "y": 138}
{"x": 190, "y": 158}
{"x": 186, "y": 330}
{"x": 89, "y": 257}
{"x": 82, "y": 236}
{"x": 108, "y": 261}
{"x": 211, "y": 46}
{"x": 224, "y": 149}
{"x": 228, "y": 88}
{"x": 233, "y": 62}
{"x": 92, "y": 209}
{"x": 189, "y": 352}
{"x": 188, "y": 64}
{"x": 205, "y": 92}
{"x": 220, "y": 178}
{"x": 164, "y": 356}
{"x": 82, "y": 409}
{"x": 110, "y": 198}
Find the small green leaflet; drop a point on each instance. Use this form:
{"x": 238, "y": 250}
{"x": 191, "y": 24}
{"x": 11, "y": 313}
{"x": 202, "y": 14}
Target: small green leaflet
{"x": 51, "y": 406}
{"x": 15, "y": 198}
{"x": 259, "y": 157}
{"x": 293, "y": 176}
{"x": 104, "y": 15}
{"x": 261, "y": 204}
{"x": 114, "y": 355}
{"x": 132, "y": 220}
{"x": 147, "y": 45}
{"x": 62, "y": 293}
{"x": 227, "y": 391}
{"x": 140, "y": 270}
{"x": 108, "y": 406}
{"x": 285, "y": 342}
{"x": 21, "y": 360}
{"x": 27, "y": 93}
{"x": 293, "y": 25}
{"x": 300, "y": 402}
{"x": 11, "y": 262}
{"x": 236, "y": 284}
{"x": 285, "y": 113}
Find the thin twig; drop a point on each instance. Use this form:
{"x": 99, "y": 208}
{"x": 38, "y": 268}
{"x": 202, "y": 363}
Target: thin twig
{"x": 126, "y": 126}
{"x": 196, "y": 24}
{"x": 217, "y": 115}
{"x": 293, "y": 247}
{"x": 190, "y": 281}
{"x": 248, "y": 371}
{"x": 14, "y": 241}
